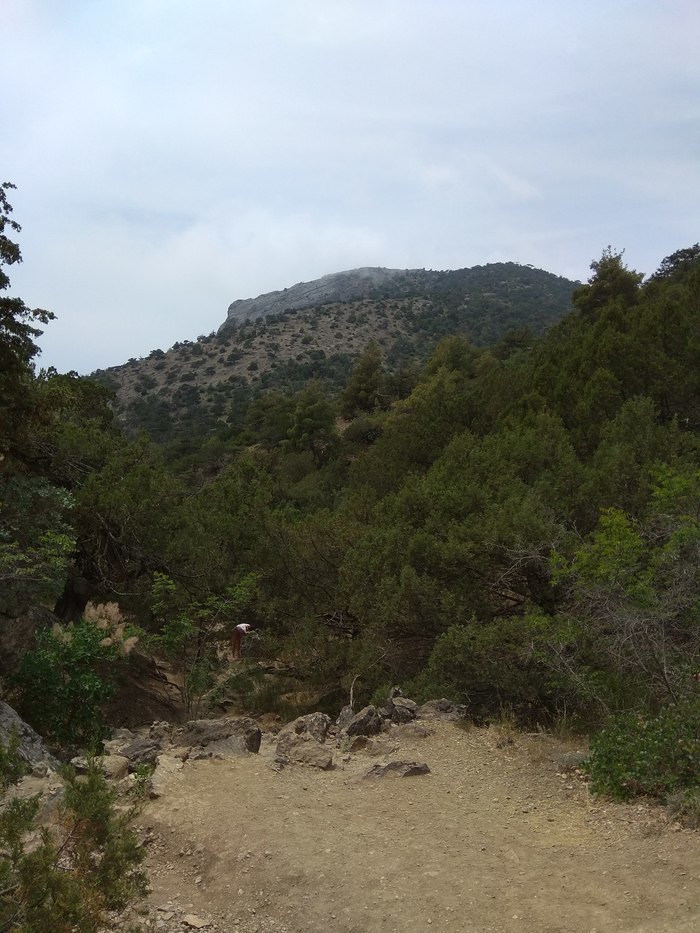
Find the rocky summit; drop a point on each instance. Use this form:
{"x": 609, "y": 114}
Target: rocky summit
{"x": 351, "y": 285}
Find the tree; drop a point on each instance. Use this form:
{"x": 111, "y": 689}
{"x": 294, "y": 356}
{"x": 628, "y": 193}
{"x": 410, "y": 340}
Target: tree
{"x": 313, "y": 425}
{"x": 17, "y": 335}
{"x": 362, "y": 390}
{"x": 611, "y": 280}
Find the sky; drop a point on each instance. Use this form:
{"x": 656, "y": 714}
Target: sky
{"x": 171, "y": 156}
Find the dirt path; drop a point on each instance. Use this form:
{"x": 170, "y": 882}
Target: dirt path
{"x": 495, "y": 839}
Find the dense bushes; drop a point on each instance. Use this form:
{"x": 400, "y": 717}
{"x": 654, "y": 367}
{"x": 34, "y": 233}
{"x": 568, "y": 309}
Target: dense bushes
{"x": 644, "y": 754}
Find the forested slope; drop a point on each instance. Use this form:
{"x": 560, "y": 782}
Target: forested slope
{"x": 514, "y": 526}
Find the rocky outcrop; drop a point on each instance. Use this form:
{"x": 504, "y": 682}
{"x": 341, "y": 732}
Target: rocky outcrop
{"x": 340, "y": 286}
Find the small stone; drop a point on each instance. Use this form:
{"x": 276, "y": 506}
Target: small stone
{"x": 191, "y": 920}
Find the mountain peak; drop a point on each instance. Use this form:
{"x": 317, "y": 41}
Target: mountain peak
{"x": 349, "y": 285}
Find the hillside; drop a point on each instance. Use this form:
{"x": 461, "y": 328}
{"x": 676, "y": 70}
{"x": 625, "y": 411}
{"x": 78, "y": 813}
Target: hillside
{"x": 299, "y": 335}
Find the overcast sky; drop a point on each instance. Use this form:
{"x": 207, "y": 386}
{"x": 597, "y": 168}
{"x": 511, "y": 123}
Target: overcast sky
{"x": 171, "y": 156}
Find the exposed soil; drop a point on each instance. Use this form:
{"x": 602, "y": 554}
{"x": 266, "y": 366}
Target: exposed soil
{"x": 498, "y": 837}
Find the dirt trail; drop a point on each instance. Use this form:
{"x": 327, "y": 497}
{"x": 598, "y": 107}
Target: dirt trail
{"x": 495, "y": 839}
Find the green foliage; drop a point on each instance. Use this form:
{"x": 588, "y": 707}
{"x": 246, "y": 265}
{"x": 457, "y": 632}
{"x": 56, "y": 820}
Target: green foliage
{"x": 65, "y": 682}
{"x": 36, "y": 542}
{"x": 73, "y": 873}
{"x": 188, "y": 632}
{"x": 362, "y": 391}
{"x": 11, "y": 765}
{"x": 644, "y": 754}
{"x": 17, "y": 337}
{"x": 313, "y": 425}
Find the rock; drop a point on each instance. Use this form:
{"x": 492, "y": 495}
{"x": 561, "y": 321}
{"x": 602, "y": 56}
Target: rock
{"x": 403, "y": 710}
{"x": 414, "y": 729}
{"x": 115, "y": 767}
{"x": 166, "y": 769}
{"x": 366, "y": 722}
{"x": 344, "y": 718}
{"x": 202, "y": 733}
{"x": 570, "y": 761}
{"x": 304, "y": 749}
{"x": 191, "y": 920}
{"x": 315, "y": 724}
{"x": 232, "y": 747}
{"x": 398, "y": 768}
{"x": 31, "y": 749}
{"x": 442, "y": 709}
{"x": 142, "y": 752}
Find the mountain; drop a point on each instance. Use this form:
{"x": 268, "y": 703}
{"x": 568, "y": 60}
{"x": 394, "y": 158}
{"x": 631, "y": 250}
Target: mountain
{"x": 317, "y": 329}
{"x": 337, "y": 287}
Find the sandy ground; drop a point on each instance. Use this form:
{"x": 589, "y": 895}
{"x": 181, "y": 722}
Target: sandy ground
{"x": 497, "y": 838}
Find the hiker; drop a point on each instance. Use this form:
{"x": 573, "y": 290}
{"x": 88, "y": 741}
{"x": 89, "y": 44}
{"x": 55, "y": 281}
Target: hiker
{"x": 238, "y": 633}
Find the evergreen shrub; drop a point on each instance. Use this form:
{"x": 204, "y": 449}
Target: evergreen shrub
{"x": 641, "y": 753}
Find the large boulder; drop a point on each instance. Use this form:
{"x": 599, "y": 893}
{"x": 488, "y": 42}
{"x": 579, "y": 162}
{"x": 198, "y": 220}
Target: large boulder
{"x": 219, "y": 738}
{"x": 304, "y": 749}
{"x": 31, "y": 749}
{"x": 314, "y": 724}
{"x": 403, "y": 709}
{"x": 366, "y": 722}
{"x": 303, "y": 741}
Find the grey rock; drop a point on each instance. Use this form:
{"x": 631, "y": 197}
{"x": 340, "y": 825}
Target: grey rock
{"x": 230, "y": 747}
{"x": 203, "y": 732}
{"x": 167, "y": 768}
{"x": 404, "y": 710}
{"x": 114, "y": 767}
{"x": 315, "y": 724}
{"x": 31, "y": 749}
{"x": 344, "y": 718}
{"x": 399, "y": 769}
{"x": 141, "y": 752}
{"x": 304, "y": 749}
{"x": 442, "y": 709}
{"x": 366, "y": 722}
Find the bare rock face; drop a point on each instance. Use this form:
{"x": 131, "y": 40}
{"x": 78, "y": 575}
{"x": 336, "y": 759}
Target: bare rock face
{"x": 340, "y": 286}
{"x": 31, "y": 749}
